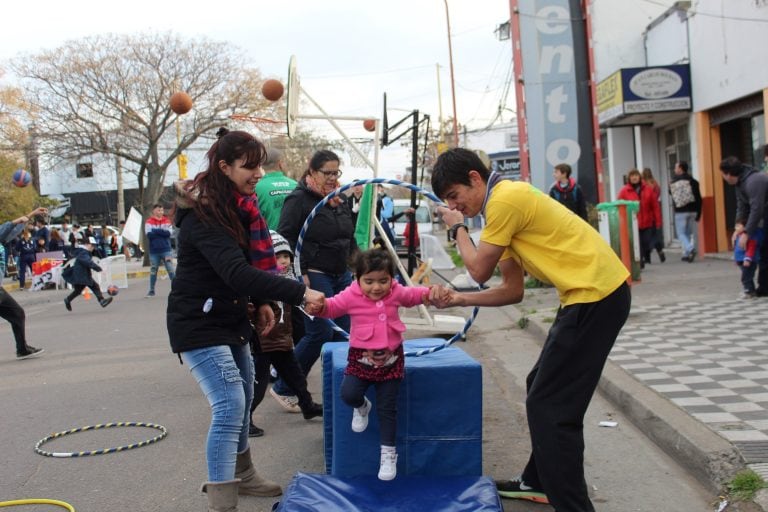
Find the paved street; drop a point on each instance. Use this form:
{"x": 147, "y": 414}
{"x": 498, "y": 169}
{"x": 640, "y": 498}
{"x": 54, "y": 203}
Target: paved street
{"x": 104, "y": 365}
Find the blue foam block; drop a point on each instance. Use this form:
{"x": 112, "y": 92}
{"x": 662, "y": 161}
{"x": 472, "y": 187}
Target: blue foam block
{"x": 439, "y": 421}
{"x": 325, "y": 493}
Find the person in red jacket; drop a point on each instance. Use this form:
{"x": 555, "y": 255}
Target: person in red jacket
{"x": 648, "y": 215}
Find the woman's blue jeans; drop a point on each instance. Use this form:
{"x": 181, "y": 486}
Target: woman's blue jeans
{"x": 225, "y": 375}
{"x": 317, "y": 331}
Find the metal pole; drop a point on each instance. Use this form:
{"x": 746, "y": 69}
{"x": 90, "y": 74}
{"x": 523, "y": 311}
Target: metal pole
{"x": 414, "y": 178}
{"x": 453, "y": 83}
{"x": 440, "y": 106}
{"x": 120, "y": 195}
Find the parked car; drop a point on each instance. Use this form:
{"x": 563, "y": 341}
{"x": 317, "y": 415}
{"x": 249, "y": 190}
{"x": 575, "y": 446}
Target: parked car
{"x": 423, "y": 221}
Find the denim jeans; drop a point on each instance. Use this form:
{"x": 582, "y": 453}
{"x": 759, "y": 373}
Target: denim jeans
{"x": 154, "y": 260}
{"x": 685, "y": 226}
{"x": 317, "y": 331}
{"x": 225, "y": 375}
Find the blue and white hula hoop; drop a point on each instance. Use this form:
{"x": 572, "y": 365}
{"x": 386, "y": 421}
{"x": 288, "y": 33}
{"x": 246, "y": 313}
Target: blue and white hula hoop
{"x": 425, "y": 193}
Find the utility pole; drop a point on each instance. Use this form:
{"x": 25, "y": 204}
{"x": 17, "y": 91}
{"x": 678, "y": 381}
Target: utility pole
{"x": 120, "y": 195}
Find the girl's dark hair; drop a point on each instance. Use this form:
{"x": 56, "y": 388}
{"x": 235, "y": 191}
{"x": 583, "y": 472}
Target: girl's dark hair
{"x": 318, "y": 159}
{"x": 373, "y": 260}
{"x": 214, "y": 191}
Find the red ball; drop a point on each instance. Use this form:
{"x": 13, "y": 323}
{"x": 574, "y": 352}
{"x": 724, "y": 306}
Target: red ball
{"x": 181, "y": 102}
{"x": 21, "y": 178}
{"x": 272, "y": 89}
{"x": 369, "y": 124}
{"x": 112, "y": 290}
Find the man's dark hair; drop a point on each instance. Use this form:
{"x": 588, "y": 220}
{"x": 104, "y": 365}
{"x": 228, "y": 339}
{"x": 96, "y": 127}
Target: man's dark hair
{"x": 683, "y": 165}
{"x": 732, "y": 166}
{"x": 157, "y": 205}
{"x": 452, "y": 168}
{"x": 565, "y": 169}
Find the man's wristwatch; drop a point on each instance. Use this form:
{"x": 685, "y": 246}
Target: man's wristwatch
{"x": 456, "y": 227}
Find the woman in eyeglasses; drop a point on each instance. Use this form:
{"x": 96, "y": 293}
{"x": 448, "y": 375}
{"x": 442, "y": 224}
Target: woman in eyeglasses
{"x": 328, "y": 244}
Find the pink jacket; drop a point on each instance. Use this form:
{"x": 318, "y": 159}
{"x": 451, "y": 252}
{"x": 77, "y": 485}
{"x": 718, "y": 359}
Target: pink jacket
{"x": 376, "y": 325}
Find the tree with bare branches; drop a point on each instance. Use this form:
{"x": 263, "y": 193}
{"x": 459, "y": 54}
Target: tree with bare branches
{"x": 109, "y": 95}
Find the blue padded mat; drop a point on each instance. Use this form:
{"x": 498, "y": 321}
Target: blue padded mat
{"x": 439, "y": 429}
{"x": 325, "y": 493}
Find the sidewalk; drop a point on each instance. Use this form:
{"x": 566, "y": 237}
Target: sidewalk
{"x": 690, "y": 367}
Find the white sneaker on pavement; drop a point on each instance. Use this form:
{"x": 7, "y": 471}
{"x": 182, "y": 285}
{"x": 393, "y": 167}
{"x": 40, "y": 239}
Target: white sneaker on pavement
{"x": 289, "y": 403}
{"x": 360, "y": 416}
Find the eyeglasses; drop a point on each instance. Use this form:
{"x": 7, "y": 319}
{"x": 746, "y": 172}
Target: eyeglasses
{"x": 329, "y": 174}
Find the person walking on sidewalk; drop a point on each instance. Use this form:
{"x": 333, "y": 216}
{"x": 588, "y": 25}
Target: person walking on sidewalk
{"x": 751, "y": 210}
{"x": 648, "y": 215}
{"x": 78, "y": 274}
{"x": 747, "y": 260}
{"x": 159, "y": 229}
{"x": 226, "y": 261}
{"x": 526, "y": 230}
{"x": 658, "y": 236}
{"x": 686, "y": 199}
{"x": 10, "y": 310}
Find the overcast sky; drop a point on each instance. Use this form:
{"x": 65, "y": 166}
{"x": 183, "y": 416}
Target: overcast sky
{"x": 348, "y": 52}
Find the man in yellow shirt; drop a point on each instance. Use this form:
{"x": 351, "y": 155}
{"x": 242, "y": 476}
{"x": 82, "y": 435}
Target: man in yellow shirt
{"x": 526, "y": 230}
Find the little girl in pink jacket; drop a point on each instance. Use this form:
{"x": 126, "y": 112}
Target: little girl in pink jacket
{"x": 375, "y": 345}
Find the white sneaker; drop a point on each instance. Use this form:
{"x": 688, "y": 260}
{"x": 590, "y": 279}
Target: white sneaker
{"x": 289, "y": 403}
{"x": 388, "y": 466}
{"x": 360, "y": 416}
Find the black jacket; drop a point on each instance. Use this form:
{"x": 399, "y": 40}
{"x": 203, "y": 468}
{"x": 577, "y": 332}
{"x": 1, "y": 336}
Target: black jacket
{"x": 695, "y": 206}
{"x": 214, "y": 281}
{"x": 751, "y": 196}
{"x": 330, "y": 238}
{"x": 80, "y": 270}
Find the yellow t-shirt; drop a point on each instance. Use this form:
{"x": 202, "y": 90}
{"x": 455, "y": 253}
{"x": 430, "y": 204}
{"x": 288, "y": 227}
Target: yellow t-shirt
{"x": 551, "y": 243}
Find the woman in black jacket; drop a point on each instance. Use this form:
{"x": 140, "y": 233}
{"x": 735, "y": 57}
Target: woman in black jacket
{"x": 328, "y": 243}
{"x": 225, "y": 261}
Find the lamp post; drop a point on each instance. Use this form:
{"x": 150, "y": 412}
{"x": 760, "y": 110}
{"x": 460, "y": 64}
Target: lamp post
{"x": 453, "y": 84}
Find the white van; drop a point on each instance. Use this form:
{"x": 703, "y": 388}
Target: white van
{"x": 423, "y": 220}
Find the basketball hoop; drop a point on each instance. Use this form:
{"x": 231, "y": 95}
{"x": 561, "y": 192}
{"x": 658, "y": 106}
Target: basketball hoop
{"x": 365, "y": 146}
{"x": 292, "y": 97}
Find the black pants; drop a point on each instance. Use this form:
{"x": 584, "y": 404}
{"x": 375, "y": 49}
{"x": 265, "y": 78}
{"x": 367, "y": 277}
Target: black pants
{"x": 288, "y": 367}
{"x": 14, "y": 314}
{"x": 560, "y": 386}
{"x": 353, "y": 391}
{"x": 78, "y": 289}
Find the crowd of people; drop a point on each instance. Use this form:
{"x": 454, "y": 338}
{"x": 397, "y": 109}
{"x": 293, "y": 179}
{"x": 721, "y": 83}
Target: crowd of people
{"x": 240, "y": 304}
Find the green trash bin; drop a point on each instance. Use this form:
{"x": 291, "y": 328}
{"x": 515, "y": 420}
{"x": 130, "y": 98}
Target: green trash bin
{"x": 608, "y": 224}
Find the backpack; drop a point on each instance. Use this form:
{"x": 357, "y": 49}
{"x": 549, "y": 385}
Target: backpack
{"x": 682, "y": 193}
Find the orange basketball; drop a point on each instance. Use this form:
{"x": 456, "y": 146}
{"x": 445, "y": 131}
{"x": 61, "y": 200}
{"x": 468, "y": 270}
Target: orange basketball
{"x": 369, "y": 124}
{"x": 272, "y": 89}
{"x": 181, "y": 103}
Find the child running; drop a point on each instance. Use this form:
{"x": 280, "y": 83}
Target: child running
{"x": 375, "y": 345}
{"x": 79, "y": 274}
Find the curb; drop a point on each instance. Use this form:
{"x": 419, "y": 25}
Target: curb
{"x": 701, "y": 452}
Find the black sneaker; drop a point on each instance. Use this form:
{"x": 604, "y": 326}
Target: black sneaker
{"x": 68, "y": 304}
{"x": 254, "y": 431}
{"x": 105, "y": 302}
{"x": 662, "y": 256}
{"x": 313, "y": 411}
{"x": 515, "y": 489}
{"x": 29, "y": 352}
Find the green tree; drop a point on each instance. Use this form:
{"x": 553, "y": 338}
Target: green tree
{"x": 15, "y": 201}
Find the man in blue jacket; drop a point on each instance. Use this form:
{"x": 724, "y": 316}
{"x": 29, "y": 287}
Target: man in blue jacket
{"x": 159, "y": 229}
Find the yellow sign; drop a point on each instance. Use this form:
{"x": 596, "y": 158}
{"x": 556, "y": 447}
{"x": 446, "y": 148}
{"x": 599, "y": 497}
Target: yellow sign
{"x": 181, "y": 161}
{"x": 609, "y": 93}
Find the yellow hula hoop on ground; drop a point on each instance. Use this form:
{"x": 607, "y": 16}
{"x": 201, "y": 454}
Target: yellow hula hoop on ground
{"x": 38, "y": 501}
